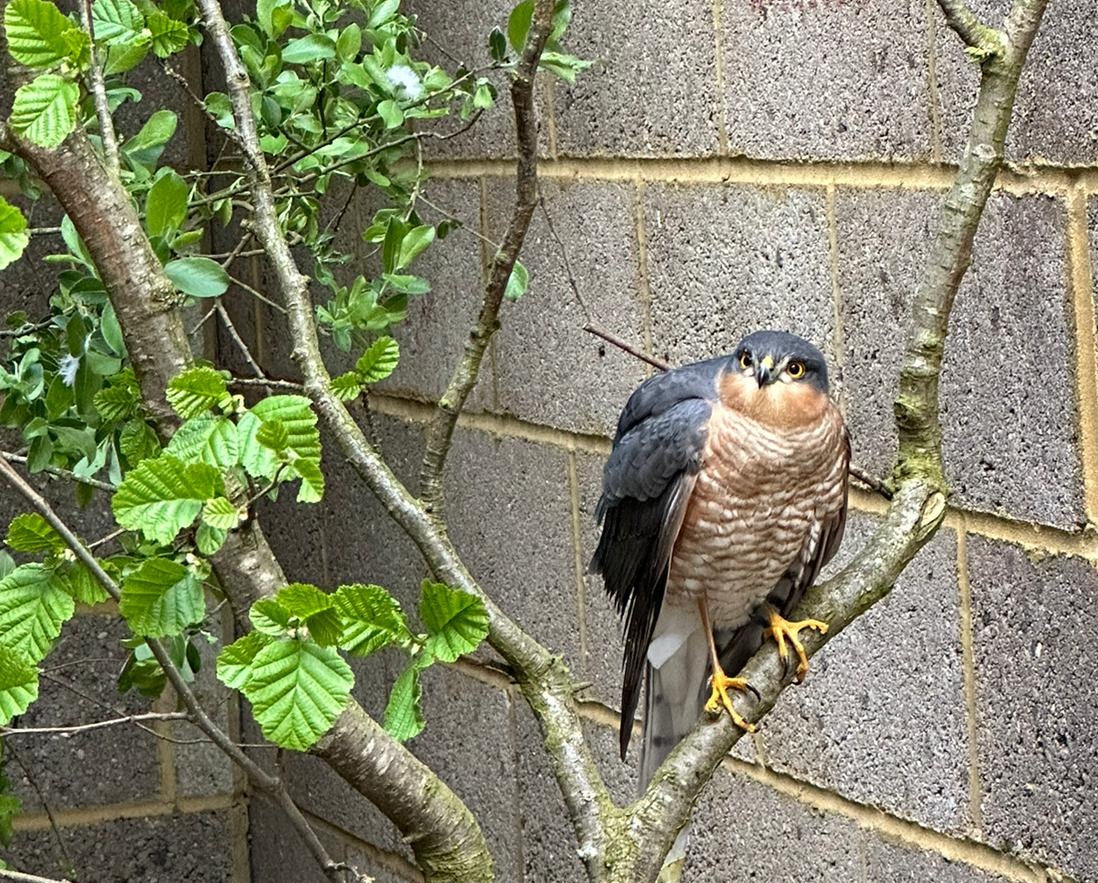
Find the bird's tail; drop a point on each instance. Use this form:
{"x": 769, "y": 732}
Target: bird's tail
{"x": 677, "y": 680}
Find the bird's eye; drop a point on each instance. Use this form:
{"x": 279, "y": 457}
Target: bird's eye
{"x": 795, "y": 370}
{"x": 745, "y": 360}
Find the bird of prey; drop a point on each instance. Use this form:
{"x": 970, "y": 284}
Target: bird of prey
{"x": 723, "y": 497}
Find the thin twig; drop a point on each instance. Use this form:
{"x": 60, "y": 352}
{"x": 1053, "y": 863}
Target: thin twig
{"x": 258, "y": 295}
{"x": 72, "y": 729}
{"x": 58, "y": 472}
{"x": 32, "y": 780}
{"x": 464, "y": 377}
{"x": 627, "y": 347}
{"x": 265, "y": 382}
{"x": 99, "y": 94}
{"x": 8, "y": 874}
{"x": 223, "y": 314}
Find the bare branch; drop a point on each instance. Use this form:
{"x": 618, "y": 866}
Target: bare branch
{"x": 99, "y": 93}
{"x": 8, "y": 874}
{"x": 72, "y": 729}
{"x": 464, "y": 379}
{"x": 975, "y": 34}
{"x": 58, "y": 472}
{"x": 625, "y": 346}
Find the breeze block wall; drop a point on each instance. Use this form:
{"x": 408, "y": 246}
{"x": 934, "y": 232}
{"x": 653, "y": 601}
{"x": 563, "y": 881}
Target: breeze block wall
{"x": 725, "y": 165}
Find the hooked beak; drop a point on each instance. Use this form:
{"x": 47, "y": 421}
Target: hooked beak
{"x": 764, "y": 371}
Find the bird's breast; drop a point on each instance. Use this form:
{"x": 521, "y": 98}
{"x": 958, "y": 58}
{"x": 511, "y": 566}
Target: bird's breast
{"x": 758, "y": 496}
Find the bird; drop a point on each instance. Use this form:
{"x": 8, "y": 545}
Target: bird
{"x": 724, "y": 494}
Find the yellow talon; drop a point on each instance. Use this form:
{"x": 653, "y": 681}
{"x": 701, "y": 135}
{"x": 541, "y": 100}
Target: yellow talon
{"x": 719, "y": 698}
{"x": 782, "y": 630}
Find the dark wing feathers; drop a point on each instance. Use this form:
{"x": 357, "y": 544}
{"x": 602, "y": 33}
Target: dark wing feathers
{"x": 647, "y": 484}
{"x": 665, "y": 390}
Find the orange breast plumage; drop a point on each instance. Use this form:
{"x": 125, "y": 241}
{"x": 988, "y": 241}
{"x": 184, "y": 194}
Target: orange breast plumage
{"x": 759, "y": 496}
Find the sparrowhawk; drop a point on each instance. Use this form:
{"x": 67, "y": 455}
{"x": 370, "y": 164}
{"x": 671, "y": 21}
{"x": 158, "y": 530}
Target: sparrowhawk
{"x": 723, "y": 497}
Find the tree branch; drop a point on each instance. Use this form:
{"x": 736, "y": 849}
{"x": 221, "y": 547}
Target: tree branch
{"x": 975, "y": 34}
{"x": 98, "y": 90}
{"x": 71, "y": 729}
{"x": 441, "y": 429}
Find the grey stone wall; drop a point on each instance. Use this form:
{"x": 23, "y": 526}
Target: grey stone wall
{"x": 724, "y": 166}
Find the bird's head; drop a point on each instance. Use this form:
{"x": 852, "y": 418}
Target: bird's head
{"x": 777, "y": 378}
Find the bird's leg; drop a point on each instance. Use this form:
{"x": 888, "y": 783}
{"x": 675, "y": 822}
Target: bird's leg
{"x": 720, "y": 682}
{"x": 783, "y": 630}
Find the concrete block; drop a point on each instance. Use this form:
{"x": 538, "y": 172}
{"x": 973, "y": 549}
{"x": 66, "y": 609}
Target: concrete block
{"x": 653, "y": 88}
{"x": 1052, "y": 124}
{"x": 1035, "y": 692}
{"x": 193, "y": 847}
{"x": 202, "y": 769}
{"x": 740, "y": 825}
{"x": 459, "y": 37}
{"x": 276, "y": 850}
{"x": 725, "y": 261}
{"x": 548, "y": 370}
{"x": 510, "y": 518}
{"x": 469, "y": 742}
{"x": 887, "y": 862}
{"x": 852, "y": 84}
{"x": 1010, "y": 440}
{"x": 112, "y": 765}
{"x": 884, "y": 696}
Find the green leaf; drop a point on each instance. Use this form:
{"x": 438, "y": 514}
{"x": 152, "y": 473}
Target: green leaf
{"x": 518, "y": 282}
{"x": 518, "y": 24}
{"x": 116, "y": 18}
{"x": 378, "y": 362}
{"x": 138, "y": 442}
{"x": 144, "y": 148}
{"x": 273, "y": 16}
{"x": 404, "y": 713}
{"x": 497, "y": 45}
{"x": 346, "y": 387}
{"x": 33, "y": 607}
{"x": 161, "y": 497}
{"x": 456, "y": 620}
{"x": 166, "y": 205}
{"x": 270, "y": 618}
{"x": 13, "y": 232}
{"x": 349, "y": 42}
{"x": 413, "y": 244}
{"x": 40, "y": 36}
{"x": 315, "y": 610}
{"x": 125, "y": 56}
{"x": 44, "y": 111}
{"x": 79, "y": 582}
{"x": 312, "y": 47}
{"x": 115, "y": 403}
{"x": 372, "y": 619}
{"x": 168, "y": 35}
{"x": 562, "y": 65}
{"x": 297, "y": 690}
{"x": 31, "y": 533}
{"x": 197, "y": 390}
{"x": 407, "y": 284}
{"x": 207, "y": 439}
{"x": 273, "y": 435}
{"x": 390, "y": 113}
{"x": 234, "y": 663}
{"x": 209, "y": 539}
{"x": 220, "y": 513}
{"x": 18, "y": 684}
{"x": 302, "y": 451}
{"x": 162, "y": 598}
{"x": 198, "y": 277}
{"x": 383, "y": 12}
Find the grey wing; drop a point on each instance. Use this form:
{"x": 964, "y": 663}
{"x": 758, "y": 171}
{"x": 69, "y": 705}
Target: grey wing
{"x": 665, "y": 390}
{"x": 647, "y": 483}
{"x": 737, "y": 646}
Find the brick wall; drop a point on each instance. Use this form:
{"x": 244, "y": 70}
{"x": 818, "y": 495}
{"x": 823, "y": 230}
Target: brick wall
{"x": 724, "y": 166}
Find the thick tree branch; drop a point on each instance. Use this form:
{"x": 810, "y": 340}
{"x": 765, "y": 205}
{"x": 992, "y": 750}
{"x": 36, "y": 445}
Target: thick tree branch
{"x": 918, "y": 506}
{"x": 464, "y": 379}
{"x": 545, "y": 680}
{"x": 260, "y": 778}
{"x": 917, "y": 419}
{"x": 975, "y": 34}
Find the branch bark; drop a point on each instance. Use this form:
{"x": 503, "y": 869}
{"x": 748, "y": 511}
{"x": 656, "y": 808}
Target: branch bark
{"x": 967, "y": 25}
{"x": 441, "y": 428}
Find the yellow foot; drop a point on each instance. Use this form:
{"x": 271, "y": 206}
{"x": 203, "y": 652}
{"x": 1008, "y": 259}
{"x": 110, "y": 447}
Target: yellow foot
{"x": 783, "y": 630}
{"x": 719, "y": 698}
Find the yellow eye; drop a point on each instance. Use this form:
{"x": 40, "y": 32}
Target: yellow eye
{"x": 795, "y": 370}
{"x": 745, "y": 360}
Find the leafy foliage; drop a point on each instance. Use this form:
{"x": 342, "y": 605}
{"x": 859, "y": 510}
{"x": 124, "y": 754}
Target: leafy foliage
{"x": 161, "y": 598}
